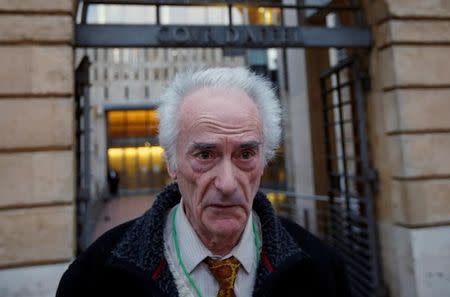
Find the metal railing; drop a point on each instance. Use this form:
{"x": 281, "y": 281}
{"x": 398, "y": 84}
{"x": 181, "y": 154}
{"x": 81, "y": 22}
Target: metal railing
{"x": 352, "y": 180}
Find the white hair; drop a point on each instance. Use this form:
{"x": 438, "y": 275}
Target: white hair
{"x": 259, "y": 89}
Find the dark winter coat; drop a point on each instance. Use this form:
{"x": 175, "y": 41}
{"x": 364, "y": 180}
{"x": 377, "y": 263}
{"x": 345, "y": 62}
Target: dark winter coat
{"x": 129, "y": 259}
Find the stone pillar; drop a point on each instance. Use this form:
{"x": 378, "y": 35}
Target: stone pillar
{"x": 37, "y": 215}
{"x": 409, "y": 120}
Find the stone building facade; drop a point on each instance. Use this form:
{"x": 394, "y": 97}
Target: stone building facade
{"x": 409, "y": 130}
{"x": 410, "y": 133}
{"x": 37, "y": 226}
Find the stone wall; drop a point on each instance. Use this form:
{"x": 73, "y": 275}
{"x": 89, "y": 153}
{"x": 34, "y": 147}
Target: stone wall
{"x": 409, "y": 122}
{"x": 37, "y": 230}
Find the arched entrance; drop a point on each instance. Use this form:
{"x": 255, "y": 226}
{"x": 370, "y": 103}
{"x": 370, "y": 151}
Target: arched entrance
{"x": 344, "y": 214}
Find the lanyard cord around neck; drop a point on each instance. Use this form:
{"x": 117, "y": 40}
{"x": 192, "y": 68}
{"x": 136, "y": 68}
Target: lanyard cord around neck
{"x": 180, "y": 260}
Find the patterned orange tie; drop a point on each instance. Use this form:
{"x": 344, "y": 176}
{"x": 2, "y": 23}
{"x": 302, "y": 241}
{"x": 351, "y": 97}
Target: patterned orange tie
{"x": 225, "y": 272}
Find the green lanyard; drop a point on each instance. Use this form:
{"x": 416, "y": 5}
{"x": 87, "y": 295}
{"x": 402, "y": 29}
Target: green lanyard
{"x": 177, "y": 248}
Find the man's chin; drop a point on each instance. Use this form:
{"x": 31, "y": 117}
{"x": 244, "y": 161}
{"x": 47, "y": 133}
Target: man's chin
{"x": 225, "y": 227}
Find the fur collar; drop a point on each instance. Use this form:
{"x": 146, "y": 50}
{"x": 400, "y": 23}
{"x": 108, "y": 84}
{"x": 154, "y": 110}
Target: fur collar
{"x": 142, "y": 245}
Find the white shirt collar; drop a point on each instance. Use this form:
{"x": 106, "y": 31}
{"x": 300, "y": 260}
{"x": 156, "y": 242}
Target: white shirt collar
{"x": 193, "y": 251}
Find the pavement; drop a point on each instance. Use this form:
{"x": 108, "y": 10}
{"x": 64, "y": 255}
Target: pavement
{"x": 119, "y": 210}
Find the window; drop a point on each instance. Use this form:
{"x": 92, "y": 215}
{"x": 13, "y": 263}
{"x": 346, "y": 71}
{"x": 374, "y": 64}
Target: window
{"x": 126, "y": 55}
{"x": 106, "y": 53}
{"x": 116, "y": 55}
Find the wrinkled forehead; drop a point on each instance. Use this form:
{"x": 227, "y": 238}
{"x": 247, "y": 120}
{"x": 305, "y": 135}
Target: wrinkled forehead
{"x": 218, "y": 101}
{"x": 217, "y": 114}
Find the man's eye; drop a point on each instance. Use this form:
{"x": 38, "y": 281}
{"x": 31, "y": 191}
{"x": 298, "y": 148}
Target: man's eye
{"x": 247, "y": 154}
{"x": 205, "y": 155}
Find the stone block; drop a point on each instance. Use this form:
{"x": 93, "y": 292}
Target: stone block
{"x": 416, "y": 260}
{"x": 36, "y": 235}
{"x": 37, "y": 5}
{"x": 36, "y": 70}
{"x": 419, "y": 155}
{"x": 47, "y": 122}
{"x": 19, "y": 28}
{"x": 36, "y": 178}
{"x": 417, "y": 109}
{"x": 423, "y": 257}
{"x": 406, "y": 66}
{"x": 413, "y": 31}
{"x": 421, "y": 202}
{"x": 431, "y": 258}
{"x": 419, "y": 8}
{"x": 33, "y": 281}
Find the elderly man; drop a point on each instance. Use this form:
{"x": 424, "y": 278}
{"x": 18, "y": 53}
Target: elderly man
{"x": 211, "y": 233}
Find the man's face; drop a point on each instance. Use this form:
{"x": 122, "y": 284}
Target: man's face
{"x": 220, "y": 160}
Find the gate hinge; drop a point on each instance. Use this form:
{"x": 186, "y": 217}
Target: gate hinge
{"x": 374, "y": 179}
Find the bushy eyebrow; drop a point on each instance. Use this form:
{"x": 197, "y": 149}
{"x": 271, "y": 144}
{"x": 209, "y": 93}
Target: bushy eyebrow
{"x": 250, "y": 145}
{"x": 202, "y": 146}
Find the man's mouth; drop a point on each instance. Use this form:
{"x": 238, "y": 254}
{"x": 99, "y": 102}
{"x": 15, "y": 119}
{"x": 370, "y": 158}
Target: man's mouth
{"x": 224, "y": 205}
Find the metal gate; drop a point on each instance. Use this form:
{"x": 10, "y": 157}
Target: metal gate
{"x": 82, "y": 153}
{"x": 352, "y": 180}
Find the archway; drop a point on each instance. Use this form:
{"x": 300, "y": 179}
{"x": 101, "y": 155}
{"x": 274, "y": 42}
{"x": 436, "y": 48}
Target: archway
{"x": 338, "y": 94}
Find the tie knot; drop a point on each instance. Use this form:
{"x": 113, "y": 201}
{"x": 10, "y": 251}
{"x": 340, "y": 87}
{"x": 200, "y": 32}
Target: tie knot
{"x": 225, "y": 272}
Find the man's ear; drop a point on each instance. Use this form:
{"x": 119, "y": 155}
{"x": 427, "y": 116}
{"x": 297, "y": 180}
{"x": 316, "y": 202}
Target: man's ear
{"x": 172, "y": 172}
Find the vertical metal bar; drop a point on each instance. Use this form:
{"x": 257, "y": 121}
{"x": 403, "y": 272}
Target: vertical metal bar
{"x": 324, "y": 95}
{"x": 343, "y": 153}
{"x": 84, "y": 11}
{"x": 87, "y": 142}
{"x": 230, "y": 15}
{"x": 147, "y": 135}
{"x": 284, "y": 56}
{"x": 299, "y": 11}
{"x": 82, "y": 194}
{"x": 125, "y": 171}
{"x": 158, "y": 14}
{"x": 368, "y": 192}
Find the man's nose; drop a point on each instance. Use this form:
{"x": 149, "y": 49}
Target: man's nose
{"x": 225, "y": 180}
